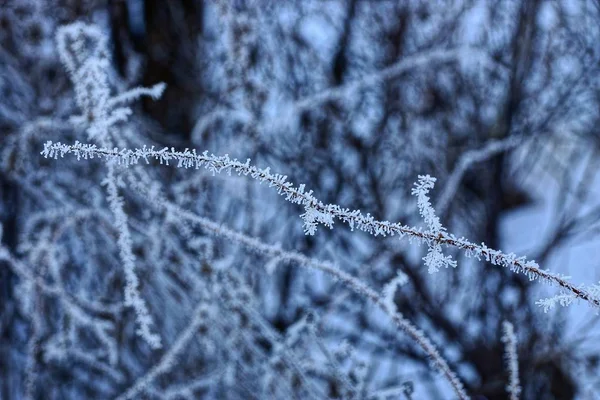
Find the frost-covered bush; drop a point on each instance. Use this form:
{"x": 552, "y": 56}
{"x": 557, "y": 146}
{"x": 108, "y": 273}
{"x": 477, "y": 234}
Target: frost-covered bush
{"x": 143, "y": 262}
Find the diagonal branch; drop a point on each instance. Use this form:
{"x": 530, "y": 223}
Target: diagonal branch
{"x": 318, "y": 212}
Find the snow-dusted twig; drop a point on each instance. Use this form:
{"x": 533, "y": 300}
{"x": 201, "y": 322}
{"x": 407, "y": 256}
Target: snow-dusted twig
{"x": 318, "y": 212}
{"x": 84, "y": 52}
{"x": 133, "y": 297}
{"x": 155, "y": 92}
{"x": 512, "y": 361}
{"x": 466, "y": 160}
{"x": 389, "y": 290}
{"x": 434, "y": 259}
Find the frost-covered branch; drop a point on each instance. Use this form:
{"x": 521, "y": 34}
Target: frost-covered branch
{"x": 155, "y": 92}
{"x": 512, "y": 361}
{"x": 317, "y": 212}
{"x": 466, "y": 160}
{"x": 389, "y": 291}
{"x": 434, "y": 259}
{"x": 168, "y": 360}
{"x": 133, "y": 297}
{"x": 84, "y": 52}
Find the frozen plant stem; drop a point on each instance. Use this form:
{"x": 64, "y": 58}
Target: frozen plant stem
{"x": 510, "y": 340}
{"x": 84, "y": 52}
{"x": 317, "y": 212}
{"x": 466, "y": 160}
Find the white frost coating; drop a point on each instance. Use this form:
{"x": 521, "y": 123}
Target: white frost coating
{"x": 318, "y": 212}
{"x": 389, "y": 291}
{"x": 133, "y": 298}
{"x": 434, "y": 259}
{"x": 512, "y": 361}
{"x": 408, "y": 63}
{"x": 466, "y": 160}
{"x": 84, "y": 52}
